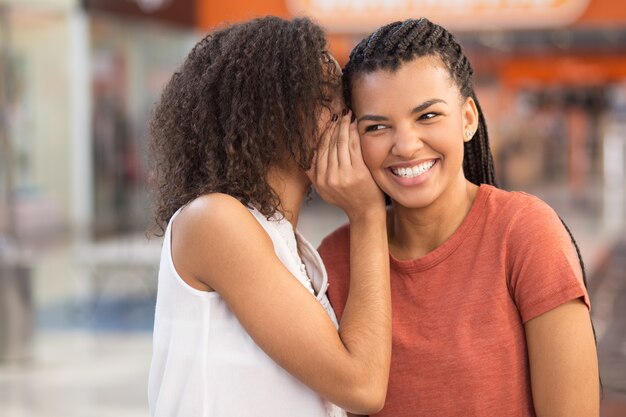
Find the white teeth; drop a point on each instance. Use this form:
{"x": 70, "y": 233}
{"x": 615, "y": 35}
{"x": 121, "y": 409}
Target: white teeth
{"x": 415, "y": 171}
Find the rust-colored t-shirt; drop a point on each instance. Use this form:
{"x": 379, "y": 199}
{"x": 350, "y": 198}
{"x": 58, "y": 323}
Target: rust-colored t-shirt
{"x": 458, "y": 312}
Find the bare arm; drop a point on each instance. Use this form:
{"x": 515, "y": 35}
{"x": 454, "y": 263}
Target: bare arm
{"x": 224, "y": 247}
{"x": 563, "y": 362}
{"x": 367, "y": 313}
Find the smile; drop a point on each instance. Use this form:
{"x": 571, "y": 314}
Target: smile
{"x": 414, "y": 171}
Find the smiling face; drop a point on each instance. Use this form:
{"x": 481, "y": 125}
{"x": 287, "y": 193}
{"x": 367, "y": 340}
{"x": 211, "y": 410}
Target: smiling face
{"x": 413, "y": 123}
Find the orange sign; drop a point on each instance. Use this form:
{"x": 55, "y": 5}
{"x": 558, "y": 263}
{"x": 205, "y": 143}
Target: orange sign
{"x": 360, "y": 16}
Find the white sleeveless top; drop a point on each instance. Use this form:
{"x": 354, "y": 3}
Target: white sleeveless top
{"x": 204, "y": 364}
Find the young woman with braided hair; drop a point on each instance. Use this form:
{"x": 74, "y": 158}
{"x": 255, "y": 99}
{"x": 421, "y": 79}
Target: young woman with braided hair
{"x": 490, "y": 308}
{"x": 243, "y": 326}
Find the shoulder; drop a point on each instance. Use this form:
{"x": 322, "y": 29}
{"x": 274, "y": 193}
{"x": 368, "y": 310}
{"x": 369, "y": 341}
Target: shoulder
{"x": 537, "y": 235}
{"x": 217, "y": 212}
{"x": 523, "y": 224}
{"x": 518, "y": 211}
{"x": 511, "y": 202}
{"x": 208, "y": 205}
{"x": 532, "y": 216}
{"x": 216, "y": 224}
{"x": 543, "y": 265}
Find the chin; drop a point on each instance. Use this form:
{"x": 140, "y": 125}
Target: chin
{"x": 411, "y": 203}
{"x": 413, "y": 200}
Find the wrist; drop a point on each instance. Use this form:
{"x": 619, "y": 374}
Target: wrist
{"x": 368, "y": 215}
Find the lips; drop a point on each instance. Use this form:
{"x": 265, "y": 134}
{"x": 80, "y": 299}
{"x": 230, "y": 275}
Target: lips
{"x": 413, "y": 171}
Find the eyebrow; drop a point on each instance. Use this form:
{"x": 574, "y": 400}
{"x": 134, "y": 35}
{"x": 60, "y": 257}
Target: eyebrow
{"x": 418, "y": 109}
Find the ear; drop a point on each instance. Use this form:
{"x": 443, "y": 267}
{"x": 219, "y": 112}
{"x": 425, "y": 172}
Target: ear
{"x": 470, "y": 119}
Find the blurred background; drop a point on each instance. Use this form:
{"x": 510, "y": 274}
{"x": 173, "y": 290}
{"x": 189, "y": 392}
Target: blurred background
{"x": 79, "y": 78}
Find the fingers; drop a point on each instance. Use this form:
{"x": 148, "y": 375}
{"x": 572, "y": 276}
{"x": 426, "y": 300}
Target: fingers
{"x": 341, "y": 176}
{"x": 324, "y": 145}
{"x": 355, "y": 147}
{"x": 343, "y": 141}
{"x": 338, "y": 148}
{"x": 333, "y": 159}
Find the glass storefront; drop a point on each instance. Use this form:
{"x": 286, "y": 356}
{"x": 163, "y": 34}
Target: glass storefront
{"x": 130, "y": 64}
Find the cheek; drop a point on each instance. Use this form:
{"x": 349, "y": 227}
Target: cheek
{"x": 446, "y": 139}
{"x": 374, "y": 153}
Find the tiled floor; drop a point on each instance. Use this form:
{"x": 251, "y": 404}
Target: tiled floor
{"x": 79, "y": 374}
{"x": 91, "y": 351}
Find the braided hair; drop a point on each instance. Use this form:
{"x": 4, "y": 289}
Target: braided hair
{"x": 400, "y": 42}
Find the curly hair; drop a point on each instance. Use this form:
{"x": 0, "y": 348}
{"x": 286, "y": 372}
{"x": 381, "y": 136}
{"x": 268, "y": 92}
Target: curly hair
{"x": 246, "y": 98}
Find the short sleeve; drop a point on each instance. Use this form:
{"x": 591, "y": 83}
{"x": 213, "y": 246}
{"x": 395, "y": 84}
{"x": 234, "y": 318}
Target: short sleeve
{"x": 335, "y": 253}
{"x": 543, "y": 269}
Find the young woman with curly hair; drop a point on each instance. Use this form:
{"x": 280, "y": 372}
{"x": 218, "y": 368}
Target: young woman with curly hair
{"x": 490, "y": 309}
{"x": 243, "y": 325}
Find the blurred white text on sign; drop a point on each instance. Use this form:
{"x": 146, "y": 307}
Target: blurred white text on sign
{"x": 366, "y": 15}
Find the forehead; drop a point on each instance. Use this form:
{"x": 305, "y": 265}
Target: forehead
{"x": 414, "y": 82}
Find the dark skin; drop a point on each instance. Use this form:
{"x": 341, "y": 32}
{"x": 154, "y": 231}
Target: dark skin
{"x": 349, "y": 367}
{"x": 247, "y": 121}
{"x": 430, "y": 205}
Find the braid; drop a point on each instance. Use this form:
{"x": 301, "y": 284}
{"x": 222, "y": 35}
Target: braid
{"x": 401, "y": 42}
{"x": 395, "y": 43}
{"x": 371, "y": 46}
{"x": 478, "y": 161}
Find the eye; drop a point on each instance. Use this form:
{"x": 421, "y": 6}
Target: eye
{"x": 428, "y": 116}
{"x": 374, "y": 128}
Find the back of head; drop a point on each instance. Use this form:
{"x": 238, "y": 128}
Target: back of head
{"x": 245, "y": 99}
{"x": 399, "y": 42}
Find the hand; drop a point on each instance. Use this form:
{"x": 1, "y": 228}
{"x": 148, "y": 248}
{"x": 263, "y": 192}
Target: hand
{"x": 339, "y": 174}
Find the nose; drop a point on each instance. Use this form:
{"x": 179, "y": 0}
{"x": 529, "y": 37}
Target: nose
{"x": 406, "y": 142}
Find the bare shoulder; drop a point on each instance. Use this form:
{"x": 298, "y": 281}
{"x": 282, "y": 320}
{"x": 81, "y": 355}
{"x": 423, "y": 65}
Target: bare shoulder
{"x": 209, "y": 207}
{"x": 213, "y": 217}
{"x": 209, "y": 233}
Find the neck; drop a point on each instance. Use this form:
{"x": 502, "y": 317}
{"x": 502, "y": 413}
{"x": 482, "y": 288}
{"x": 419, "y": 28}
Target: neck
{"x": 414, "y": 232}
{"x": 291, "y": 186}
